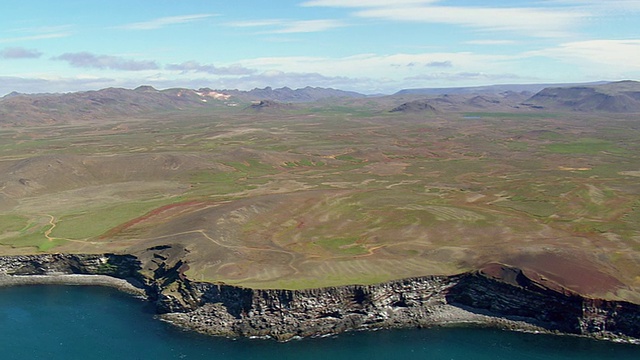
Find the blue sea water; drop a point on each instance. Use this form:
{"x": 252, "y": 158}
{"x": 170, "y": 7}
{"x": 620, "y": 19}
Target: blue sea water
{"x": 67, "y": 322}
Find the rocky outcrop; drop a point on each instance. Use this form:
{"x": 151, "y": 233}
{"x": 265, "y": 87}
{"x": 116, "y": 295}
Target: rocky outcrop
{"x": 119, "y": 266}
{"x": 417, "y": 106}
{"x": 269, "y": 105}
{"x": 497, "y": 295}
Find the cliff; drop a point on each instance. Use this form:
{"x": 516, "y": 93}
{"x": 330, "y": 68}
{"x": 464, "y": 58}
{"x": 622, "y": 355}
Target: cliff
{"x": 498, "y": 295}
{"x": 283, "y": 314}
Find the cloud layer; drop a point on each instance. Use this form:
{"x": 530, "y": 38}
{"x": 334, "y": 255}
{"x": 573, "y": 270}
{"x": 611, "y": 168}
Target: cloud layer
{"x": 164, "y": 21}
{"x": 89, "y": 60}
{"x": 194, "y": 66}
{"x": 530, "y": 21}
{"x": 19, "y": 53}
{"x": 281, "y": 26}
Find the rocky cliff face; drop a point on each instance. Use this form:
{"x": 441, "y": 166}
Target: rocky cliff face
{"x": 120, "y": 266}
{"x": 496, "y": 296}
{"x": 283, "y": 314}
{"x": 553, "y": 308}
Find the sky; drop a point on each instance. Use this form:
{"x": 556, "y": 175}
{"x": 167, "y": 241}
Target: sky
{"x": 369, "y": 46}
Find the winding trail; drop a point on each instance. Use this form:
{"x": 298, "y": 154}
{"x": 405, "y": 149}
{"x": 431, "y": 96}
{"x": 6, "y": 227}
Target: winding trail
{"x": 52, "y": 222}
{"x": 289, "y": 264}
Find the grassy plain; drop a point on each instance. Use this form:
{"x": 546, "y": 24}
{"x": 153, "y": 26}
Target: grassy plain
{"x": 335, "y": 194}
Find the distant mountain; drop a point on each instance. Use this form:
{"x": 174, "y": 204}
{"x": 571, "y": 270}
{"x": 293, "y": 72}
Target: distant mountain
{"x": 285, "y": 94}
{"x": 12, "y": 94}
{"x": 505, "y": 101}
{"x": 619, "y": 97}
{"x": 59, "y": 108}
{"x": 490, "y": 89}
{"x": 37, "y": 109}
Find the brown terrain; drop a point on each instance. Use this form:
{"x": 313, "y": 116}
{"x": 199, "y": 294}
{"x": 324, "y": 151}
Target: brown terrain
{"x": 350, "y": 190}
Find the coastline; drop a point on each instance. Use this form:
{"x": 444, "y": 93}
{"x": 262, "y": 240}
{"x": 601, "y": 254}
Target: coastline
{"x": 444, "y": 315}
{"x": 440, "y": 315}
{"x": 73, "y": 280}
{"x": 478, "y": 299}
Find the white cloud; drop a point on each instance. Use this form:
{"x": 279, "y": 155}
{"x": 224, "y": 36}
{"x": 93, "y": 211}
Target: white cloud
{"x": 362, "y": 65}
{"x": 602, "y": 7}
{"x": 490, "y": 42}
{"x": 365, "y": 3}
{"x": 613, "y": 54}
{"x": 165, "y": 21}
{"x": 257, "y": 23}
{"x": 42, "y": 30}
{"x": 528, "y": 21}
{"x": 281, "y": 26}
{"x": 307, "y": 26}
{"x": 276, "y": 78}
{"x": 390, "y": 72}
{"x": 35, "y": 37}
{"x": 465, "y": 76}
{"x": 548, "y": 19}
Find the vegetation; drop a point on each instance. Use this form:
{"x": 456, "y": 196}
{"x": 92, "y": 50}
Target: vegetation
{"x": 331, "y": 194}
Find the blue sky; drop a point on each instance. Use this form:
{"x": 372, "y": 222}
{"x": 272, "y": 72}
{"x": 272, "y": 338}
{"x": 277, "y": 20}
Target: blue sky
{"x": 368, "y": 46}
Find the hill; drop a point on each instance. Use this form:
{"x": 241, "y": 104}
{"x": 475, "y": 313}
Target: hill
{"x": 22, "y": 109}
{"x": 489, "y": 89}
{"x": 285, "y": 94}
{"x": 416, "y": 106}
{"x": 41, "y": 109}
{"x": 505, "y": 101}
{"x": 616, "y": 97}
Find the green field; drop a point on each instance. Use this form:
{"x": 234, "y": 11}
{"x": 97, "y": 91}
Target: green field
{"x": 331, "y": 194}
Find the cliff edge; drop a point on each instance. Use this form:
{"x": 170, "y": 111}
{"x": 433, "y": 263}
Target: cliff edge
{"x": 497, "y": 295}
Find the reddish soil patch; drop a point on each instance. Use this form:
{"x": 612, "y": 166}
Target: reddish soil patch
{"x": 575, "y": 273}
{"x": 161, "y": 212}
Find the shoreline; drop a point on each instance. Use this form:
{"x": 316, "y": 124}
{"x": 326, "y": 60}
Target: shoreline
{"x": 73, "y": 280}
{"x": 444, "y": 315}
{"x": 480, "y": 299}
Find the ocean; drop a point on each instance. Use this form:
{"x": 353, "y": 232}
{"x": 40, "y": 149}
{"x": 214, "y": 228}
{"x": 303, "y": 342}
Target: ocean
{"x": 83, "y": 322}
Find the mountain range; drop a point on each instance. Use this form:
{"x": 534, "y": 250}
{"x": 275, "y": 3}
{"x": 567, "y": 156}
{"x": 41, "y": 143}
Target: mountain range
{"x": 613, "y": 97}
{"x": 41, "y": 109}
{"x": 34, "y": 109}
{"x": 489, "y": 89}
{"x": 620, "y": 97}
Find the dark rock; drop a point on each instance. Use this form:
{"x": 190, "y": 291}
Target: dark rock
{"x": 417, "y": 106}
{"x": 265, "y": 105}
